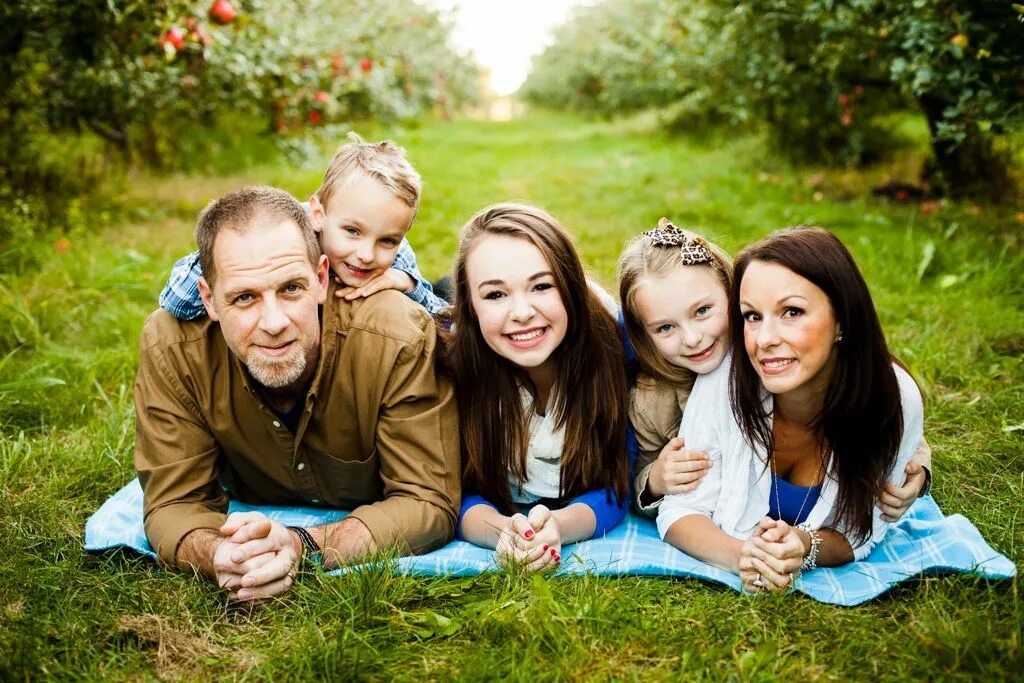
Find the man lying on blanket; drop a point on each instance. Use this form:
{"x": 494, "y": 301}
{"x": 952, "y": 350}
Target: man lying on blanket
{"x": 285, "y": 395}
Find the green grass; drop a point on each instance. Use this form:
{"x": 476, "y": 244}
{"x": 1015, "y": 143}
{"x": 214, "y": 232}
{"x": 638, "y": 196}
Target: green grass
{"x": 68, "y": 351}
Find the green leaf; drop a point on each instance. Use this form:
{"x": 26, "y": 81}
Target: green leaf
{"x": 926, "y": 259}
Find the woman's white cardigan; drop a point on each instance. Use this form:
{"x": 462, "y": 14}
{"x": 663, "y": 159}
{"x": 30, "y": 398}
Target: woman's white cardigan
{"x": 735, "y": 492}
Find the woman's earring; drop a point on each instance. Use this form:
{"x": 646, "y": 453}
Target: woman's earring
{"x": 839, "y": 337}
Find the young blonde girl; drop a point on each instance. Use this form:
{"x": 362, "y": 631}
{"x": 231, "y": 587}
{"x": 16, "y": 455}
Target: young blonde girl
{"x": 539, "y": 373}
{"x": 674, "y": 287}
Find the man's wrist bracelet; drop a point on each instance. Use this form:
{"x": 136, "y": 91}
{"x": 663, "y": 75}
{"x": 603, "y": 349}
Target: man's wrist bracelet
{"x": 310, "y": 547}
{"x": 927, "y": 482}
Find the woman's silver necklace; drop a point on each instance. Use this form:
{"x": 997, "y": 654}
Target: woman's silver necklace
{"x": 778, "y": 498}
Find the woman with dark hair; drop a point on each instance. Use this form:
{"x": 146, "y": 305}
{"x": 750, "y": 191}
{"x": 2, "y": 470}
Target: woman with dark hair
{"x": 805, "y": 426}
{"x": 540, "y": 378}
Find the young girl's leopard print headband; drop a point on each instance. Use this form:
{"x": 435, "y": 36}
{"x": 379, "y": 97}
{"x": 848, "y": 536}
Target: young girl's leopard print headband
{"x": 693, "y": 251}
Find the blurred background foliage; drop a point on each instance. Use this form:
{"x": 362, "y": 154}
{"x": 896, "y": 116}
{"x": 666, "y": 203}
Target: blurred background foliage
{"x": 822, "y": 77}
{"x": 92, "y": 89}
{"x": 89, "y": 88}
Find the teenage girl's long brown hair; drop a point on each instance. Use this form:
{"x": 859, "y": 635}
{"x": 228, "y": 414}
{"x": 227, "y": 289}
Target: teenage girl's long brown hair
{"x": 861, "y": 417}
{"x": 588, "y": 398}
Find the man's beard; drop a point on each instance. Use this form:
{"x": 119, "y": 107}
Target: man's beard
{"x": 279, "y": 372}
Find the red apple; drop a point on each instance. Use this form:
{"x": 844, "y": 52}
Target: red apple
{"x": 174, "y": 37}
{"x": 321, "y": 96}
{"x": 365, "y": 65}
{"x": 314, "y": 117}
{"x": 222, "y": 12}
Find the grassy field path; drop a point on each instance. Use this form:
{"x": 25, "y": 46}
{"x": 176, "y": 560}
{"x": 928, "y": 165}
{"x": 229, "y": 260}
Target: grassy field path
{"x": 948, "y": 280}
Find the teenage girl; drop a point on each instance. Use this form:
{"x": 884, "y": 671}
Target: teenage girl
{"x": 539, "y": 373}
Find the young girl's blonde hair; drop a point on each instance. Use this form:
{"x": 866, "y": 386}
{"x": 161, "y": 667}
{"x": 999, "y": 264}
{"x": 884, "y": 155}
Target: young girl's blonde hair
{"x": 656, "y": 253}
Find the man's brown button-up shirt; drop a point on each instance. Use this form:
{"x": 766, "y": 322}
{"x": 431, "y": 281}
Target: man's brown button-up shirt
{"x": 378, "y": 433}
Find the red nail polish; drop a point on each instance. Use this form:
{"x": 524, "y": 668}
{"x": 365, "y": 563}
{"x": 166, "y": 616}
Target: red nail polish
{"x": 553, "y": 553}
{"x": 528, "y": 533}
{"x": 546, "y": 546}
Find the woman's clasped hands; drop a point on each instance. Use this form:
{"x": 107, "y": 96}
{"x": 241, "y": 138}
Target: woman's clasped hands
{"x": 532, "y": 541}
{"x": 771, "y": 558}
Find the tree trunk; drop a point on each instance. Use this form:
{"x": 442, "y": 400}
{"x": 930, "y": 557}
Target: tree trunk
{"x": 116, "y": 134}
{"x": 149, "y": 149}
{"x": 971, "y": 168}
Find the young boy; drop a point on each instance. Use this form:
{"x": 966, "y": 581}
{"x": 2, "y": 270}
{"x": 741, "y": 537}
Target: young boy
{"x": 361, "y": 212}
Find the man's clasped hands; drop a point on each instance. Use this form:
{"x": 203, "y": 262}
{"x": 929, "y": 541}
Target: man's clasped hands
{"x": 258, "y": 557}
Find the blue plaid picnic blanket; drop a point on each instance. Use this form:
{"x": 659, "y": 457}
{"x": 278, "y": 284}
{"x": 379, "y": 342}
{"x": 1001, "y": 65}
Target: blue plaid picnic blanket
{"x": 923, "y": 542}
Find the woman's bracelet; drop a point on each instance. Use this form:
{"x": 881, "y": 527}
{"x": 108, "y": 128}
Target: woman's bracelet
{"x": 811, "y": 559}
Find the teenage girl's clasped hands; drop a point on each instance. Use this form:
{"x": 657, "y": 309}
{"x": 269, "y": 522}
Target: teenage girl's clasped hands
{"x": 533, "y": 541}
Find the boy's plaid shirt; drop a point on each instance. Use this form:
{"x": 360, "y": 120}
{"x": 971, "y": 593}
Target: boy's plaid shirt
{"x": 181, "y": 294}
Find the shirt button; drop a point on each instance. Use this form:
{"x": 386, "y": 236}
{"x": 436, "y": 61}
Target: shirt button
{"x": 301, "y": 466}
{"x": 276, "y": 423}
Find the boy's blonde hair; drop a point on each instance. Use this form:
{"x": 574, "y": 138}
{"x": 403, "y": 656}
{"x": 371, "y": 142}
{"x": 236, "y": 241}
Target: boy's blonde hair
{"x": 645, "y": 256}
{"x": 382, "y": 161}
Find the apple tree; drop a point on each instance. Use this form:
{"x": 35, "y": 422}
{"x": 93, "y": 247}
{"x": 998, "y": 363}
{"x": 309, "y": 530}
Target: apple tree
{"x": 820, "y": 76}
{"x": 138, "y": 73}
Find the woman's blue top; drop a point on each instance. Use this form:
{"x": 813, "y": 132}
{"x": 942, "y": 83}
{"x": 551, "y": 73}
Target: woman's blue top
{"x": 793, "y": 500}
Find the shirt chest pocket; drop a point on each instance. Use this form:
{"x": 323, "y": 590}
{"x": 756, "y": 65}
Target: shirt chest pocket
{"x": 348, "y": 483}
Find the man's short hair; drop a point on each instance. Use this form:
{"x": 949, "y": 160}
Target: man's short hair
{"x": 383, "y": 161}
{"x": 247, "y": 209}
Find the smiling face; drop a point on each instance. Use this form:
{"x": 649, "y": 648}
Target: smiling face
{"x": 685, "y": 314}
{"x": 515, "y": 301}
{"x": 789, "y": 330}
{"x": 266, "y": 297}
{"x": 361, "y": 229}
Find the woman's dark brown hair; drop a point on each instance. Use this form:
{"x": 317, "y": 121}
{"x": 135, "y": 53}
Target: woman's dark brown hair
{"x": 861, "y": 418}
{"x": 589, "y": 395}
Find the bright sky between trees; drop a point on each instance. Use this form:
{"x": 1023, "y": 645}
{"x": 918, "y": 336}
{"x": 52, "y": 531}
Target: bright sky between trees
{"x": 504, "y": 34}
